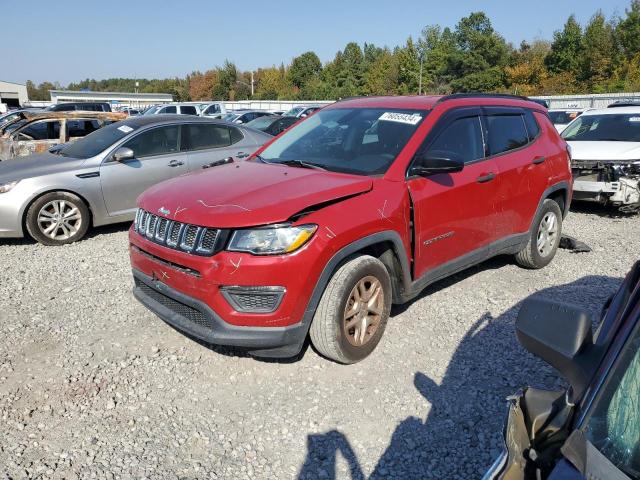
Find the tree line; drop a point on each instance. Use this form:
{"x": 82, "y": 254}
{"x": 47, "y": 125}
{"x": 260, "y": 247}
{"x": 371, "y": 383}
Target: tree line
{"x": 601, "y": 56}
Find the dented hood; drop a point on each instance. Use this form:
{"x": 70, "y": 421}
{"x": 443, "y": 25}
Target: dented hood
{"x": 247, "y": 194}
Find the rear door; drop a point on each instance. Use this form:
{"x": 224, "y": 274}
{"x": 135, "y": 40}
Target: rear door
{"x": 210, "y": 142}
{"x": 454, "y": 213}
{"x": 37, "y": 137}
{"x": 157, "y": 158}
{"x": 522, "y": 167}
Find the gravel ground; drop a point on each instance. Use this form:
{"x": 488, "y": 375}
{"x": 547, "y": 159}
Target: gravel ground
{"x": 92, "y": 385}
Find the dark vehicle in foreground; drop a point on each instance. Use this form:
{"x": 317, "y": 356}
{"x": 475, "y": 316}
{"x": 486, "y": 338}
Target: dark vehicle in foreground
{"x": 358, "y": 207}
{"x": 55, "y": 197}
{"x": 592, "y": 429}
{"x": 273, "y": 125}
{"x": 83, "y": 106}
{"x": 37, "y": 132}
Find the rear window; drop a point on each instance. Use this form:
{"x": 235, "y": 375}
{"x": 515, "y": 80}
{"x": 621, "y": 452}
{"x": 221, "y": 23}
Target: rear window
{"x": 44, "y": 130}
{"x": 82, "y": 128}
{"x": 506, "y": 132}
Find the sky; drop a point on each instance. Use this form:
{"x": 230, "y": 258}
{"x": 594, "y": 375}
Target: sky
{"x": 74, "y": 40}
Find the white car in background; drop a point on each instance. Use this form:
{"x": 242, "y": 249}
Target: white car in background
{"x": 213, "y": 109}
{"x": 561, "y": 117}
{"x": 302, "y": 111}
{"x": 605, "y": 151}
{"x": 174, "y": 108}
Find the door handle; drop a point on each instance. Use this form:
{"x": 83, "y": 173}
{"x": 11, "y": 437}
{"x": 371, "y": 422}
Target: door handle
{"x": 175, "y": 163}
{"x": 242, "y": 155}
{"x": 538, "y": 160}
{"x": 487, "y": 177}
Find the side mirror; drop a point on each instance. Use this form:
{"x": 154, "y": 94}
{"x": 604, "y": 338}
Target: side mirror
{"x": 560, "y": 334}
{"x": 436, "y": 162}
{"x": 56, "y": 148}
{"x": 122, "y": 154}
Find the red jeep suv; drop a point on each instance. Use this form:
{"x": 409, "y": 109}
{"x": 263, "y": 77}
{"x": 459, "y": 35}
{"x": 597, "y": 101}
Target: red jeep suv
{"x": 358, "y": 207}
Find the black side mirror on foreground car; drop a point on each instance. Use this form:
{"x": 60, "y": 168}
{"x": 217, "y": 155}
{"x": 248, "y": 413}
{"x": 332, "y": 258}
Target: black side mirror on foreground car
{"x": 560, "y": 334}
{"x": 432, "y": 163}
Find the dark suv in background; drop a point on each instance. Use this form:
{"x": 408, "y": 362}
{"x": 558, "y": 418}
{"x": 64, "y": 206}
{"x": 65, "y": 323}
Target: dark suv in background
{"x": 84, "y": 106}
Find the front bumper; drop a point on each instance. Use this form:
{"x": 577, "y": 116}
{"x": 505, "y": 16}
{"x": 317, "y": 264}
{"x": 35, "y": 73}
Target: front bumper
{"x": 625, "y": 191}
{"x": 200, "y": 321}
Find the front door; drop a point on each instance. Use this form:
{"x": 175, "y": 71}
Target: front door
{"x": 157, "y": 157}
{"x": 454, "y": 213}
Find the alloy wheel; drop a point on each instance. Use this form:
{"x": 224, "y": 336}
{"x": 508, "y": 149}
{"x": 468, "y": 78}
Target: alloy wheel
{"x": 363, "y": 311}
{"x": 547, "y": 234}
{"x": 59, "y": 219}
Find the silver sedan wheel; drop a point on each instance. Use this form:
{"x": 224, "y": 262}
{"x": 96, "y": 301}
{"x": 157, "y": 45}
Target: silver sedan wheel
{"x": 547, "y": 234}
{"x": 59, "y": 219}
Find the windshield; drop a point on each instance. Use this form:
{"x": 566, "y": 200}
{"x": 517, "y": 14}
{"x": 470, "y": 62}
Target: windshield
{"x": 262, "y": 122}
{"x": 363, "y": 141}
{"x": 619, "y": 127}
{"x": 293, "y": 112}
{"x": 6, "y": 119}
{"x": 151, "y": 111}
{"x": 563, "y": 117}
{"x": 97, "y": 141}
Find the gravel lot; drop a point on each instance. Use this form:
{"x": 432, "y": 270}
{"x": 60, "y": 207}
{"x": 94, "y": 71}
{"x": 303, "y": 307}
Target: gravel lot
{"x": 92, "y": 385}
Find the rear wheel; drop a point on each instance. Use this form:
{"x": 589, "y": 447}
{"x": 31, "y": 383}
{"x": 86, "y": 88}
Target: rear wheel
{"x": 353, "y": 311}
{"x": 544, "y": 238}
{"x": 57, "y": 218}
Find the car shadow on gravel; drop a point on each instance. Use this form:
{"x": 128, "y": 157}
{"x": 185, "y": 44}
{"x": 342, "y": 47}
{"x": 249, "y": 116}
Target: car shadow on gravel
{"x": 460, "y": 434}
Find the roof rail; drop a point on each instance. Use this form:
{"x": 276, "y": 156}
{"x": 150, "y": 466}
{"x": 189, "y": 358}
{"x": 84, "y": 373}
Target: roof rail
{"x": 455, "y": 96}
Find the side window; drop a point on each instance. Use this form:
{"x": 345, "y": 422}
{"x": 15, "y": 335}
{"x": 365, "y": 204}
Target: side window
{"x": 462, "y": 139}
{"x": 45, "y": 130}
{"x": 188, "y": 110}
{"x": 506, "y": 132}
{"x": 533, "y": 129}
{"x": 201, "y": 137}
{"x": 236, "y": 135}
{"x": 80, "y": 128}
{"x": 171, "y": 109}
{"x": 157, "y": 141}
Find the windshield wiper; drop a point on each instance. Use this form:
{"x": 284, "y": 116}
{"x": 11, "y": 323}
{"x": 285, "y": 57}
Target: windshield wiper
{"x": 301, "y": 164}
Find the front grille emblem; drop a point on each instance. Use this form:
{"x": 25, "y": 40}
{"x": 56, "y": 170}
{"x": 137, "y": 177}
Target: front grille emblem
{"x": 164, "y": 211}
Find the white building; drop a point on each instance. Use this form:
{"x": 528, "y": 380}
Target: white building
{"x": 114, "y": 98}
{"x": 13, "y": 94}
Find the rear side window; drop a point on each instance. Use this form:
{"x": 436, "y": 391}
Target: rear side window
{"x": 533, "y": 129}
{"x": 506, "y": 132}
{"x": 157, "y": 141}
{"x": 80, "y": 128}
{"x": 188, "y": 110}
{"x": 212, "y": 109}
{"x": 201, "y": 137}
{"x": 236, "y": 135}
{"x": 461, "y": 139}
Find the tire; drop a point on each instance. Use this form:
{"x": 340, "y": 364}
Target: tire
{"x": 532, "y": 256}
{"x": 41, "y": 215}
{"x": 328, "y": 331}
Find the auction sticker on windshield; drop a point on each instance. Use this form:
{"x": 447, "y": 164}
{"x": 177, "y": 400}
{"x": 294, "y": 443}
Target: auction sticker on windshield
{"x": 125, "y": 128}
{"x": 408, "y": 118}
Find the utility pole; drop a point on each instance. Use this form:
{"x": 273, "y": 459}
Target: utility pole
{"x": 251, "y": 83}
{"x": 420, "y": 81}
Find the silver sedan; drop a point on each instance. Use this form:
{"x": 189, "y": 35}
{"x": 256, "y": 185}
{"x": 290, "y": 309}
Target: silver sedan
{"x": 95, "y": 181}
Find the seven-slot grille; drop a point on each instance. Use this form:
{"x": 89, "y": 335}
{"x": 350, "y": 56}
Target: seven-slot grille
{"x": 177, "y": 235}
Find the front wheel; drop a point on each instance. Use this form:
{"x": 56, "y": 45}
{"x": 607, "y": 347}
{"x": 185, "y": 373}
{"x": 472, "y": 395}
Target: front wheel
{"x": 353, "y": 311}
{"x": 544, "y": 237}
{"x": 57, "y": 218}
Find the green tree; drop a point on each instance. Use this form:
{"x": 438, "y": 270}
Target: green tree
{"x": 598, "y": 56}
{"x": 304, "y": 68}
{"x": 566, "y": 48}
{"x": 628, "y": 30}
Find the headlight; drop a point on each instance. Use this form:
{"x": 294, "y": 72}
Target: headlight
{"x": 5, "y": 187}
{"x": 271, "y": 240}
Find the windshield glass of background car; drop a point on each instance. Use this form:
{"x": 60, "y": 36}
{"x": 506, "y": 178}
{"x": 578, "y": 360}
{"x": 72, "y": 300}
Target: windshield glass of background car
{"x": 96, "y": 142}
{"x": 562, "y": 118}
{"x": 613, "y": 425}
{"x": 260, "y": 123}
{"x": 623, "y": 127}
{"x": 363, "y": 141}
{"x": 293, "y": 112}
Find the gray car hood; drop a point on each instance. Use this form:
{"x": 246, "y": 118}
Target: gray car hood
{"x": 36, "y": 165}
